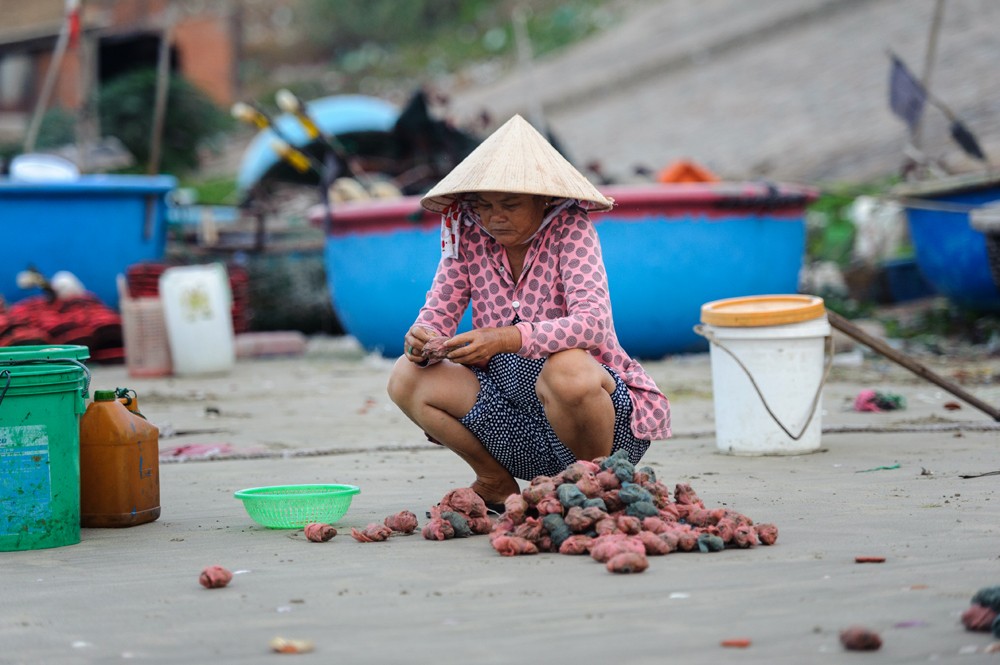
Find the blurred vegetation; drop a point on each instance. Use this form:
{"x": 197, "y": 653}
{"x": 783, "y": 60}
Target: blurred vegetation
{"x": 944, "y": 320}
{"x": 221, "y": 190}
{"x": 57, "y": 129}
{"x": 387, "y": 46}
{"x": 125, "y": 106}
{"x": 935, "y": 325}
{"x": 830, "y": 231}
{"x": 452, "y": 31}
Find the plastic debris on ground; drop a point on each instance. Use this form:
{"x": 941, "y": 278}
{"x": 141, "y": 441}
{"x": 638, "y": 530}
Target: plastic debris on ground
{"x": 884, "y": 467}
{"x": 282, "y": 645}
{"x": 874, "y": 401}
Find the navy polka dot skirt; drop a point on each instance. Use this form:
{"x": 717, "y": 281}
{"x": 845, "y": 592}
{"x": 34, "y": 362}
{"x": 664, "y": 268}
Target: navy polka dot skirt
{"x": 509, "y": 420}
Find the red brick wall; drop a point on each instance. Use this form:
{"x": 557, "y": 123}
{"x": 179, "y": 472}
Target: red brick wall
{"x": 207, "y": 56}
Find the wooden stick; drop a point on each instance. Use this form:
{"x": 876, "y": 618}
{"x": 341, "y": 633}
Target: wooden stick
{"x": 51, "y": 76}
{"x": 162, "y": 89}
{"x": 848, "y": 328}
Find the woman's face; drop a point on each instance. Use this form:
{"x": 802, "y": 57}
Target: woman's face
{"x": 510, "y": 218}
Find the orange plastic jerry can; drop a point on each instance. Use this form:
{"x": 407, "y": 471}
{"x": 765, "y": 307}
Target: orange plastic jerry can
{"x": 119, "y": 465}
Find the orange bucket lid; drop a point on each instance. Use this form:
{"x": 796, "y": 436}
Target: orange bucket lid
{"x": 751, "y": 311}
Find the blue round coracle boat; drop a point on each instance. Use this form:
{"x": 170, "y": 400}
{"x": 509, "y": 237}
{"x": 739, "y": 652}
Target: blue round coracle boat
{"x": 668, "y": 249}
{"x": 953, "y": 255}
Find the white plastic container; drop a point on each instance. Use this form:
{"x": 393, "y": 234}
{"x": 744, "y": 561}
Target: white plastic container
{"x": 197, "y": 308}
{"x": 768, "y": 371}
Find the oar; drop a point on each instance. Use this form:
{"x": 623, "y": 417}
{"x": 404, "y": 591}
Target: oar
{"x": 292, "y": 104}
{"x": 253, "y": 115}
{"x": 848, "y": 328}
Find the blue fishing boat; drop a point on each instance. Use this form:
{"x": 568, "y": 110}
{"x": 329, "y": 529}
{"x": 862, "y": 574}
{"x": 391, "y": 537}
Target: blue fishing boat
{"x": 668, "y": 249}
{"x": 951, "y": 253}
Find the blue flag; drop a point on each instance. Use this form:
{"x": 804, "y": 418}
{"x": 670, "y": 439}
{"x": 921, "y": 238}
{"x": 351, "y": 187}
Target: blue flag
{"x": 906, "y": 95}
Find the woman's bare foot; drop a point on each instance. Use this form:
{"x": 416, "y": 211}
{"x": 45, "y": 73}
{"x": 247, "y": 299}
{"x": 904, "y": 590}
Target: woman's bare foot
{"x": 496, "y": 490}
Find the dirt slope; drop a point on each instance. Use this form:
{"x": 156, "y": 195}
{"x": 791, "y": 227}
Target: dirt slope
{"x": 786, "y": 89}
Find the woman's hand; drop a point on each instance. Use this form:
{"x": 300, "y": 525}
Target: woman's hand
{"x": 476, "y": 347}
{"x": 413, "y": 344}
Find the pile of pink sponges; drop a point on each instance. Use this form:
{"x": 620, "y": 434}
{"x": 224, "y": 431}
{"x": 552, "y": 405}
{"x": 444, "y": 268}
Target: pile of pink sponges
{"x": 605, "y": 508}
{"x": 619, "y": 516}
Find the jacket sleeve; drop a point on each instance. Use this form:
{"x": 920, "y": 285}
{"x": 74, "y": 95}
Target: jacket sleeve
{"x": 584, "y": 282}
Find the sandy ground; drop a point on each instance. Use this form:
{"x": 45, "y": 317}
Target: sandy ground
{"x": 133, "y": 594}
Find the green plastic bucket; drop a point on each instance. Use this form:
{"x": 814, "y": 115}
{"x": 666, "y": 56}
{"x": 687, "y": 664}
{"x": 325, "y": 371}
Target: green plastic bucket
{"x": 43, "y": 393}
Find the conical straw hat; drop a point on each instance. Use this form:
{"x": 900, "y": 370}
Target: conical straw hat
{"x": 516, "y": 158}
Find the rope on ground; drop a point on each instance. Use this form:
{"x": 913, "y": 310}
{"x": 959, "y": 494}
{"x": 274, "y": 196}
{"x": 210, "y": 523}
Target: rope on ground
{"x": 290, "y": 454}
{"x": 876, "y": 429}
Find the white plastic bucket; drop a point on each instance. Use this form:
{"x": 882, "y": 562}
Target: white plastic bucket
{"x": 197, "y": 309}
{"x": 767, "y": 381}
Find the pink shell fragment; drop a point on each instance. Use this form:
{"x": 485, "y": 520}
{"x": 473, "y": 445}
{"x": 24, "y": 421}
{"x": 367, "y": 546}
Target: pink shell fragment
{"x": 215, "y": 577}
{"x": 512, "y": 546}
{"x": 628, "y": 562}
{"x": 373, "y": 533}
{"x": 463, "y": 500}
{"x": 438, "y": 529}
{"x": 318, "y": 532}
{"x": 403, "y": 522}
{"x": 435, "y": 349}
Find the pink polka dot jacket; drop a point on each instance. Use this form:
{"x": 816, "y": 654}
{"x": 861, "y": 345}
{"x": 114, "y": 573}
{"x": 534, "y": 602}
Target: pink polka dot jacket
{"x": 561, "y": 298}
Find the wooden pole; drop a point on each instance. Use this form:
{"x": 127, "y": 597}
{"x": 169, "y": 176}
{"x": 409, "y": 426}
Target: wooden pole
{"x": 526, "y": 65}
{"x": 86, "y": 136}
{"x": 162, "y": 88}
{"x": 51, "y": 76}
{"x": 848, "y": 328}
{"x": 929, "y": 58}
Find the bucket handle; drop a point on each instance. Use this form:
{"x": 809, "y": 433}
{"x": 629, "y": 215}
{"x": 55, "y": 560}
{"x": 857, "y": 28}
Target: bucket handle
{"x": 5, "y": 374}
{"x": 710, "y": 336}
{"x": 69, "y": 361}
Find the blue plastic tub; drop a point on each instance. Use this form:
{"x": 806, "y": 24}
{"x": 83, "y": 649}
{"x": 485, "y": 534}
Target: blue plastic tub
{"x": 94, "y": 227}
{"x": 668, "y": 249}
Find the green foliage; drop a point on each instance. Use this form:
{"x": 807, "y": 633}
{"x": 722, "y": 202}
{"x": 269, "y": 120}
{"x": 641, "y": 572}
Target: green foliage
{"x": 347, "y": 24}
{"x": 944, "y": 320}
{"x": 58, "y": 128}
{"x": 829, "y": 231}
{"x": 214, "y": 191}
{"x": 126, "y": 107}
